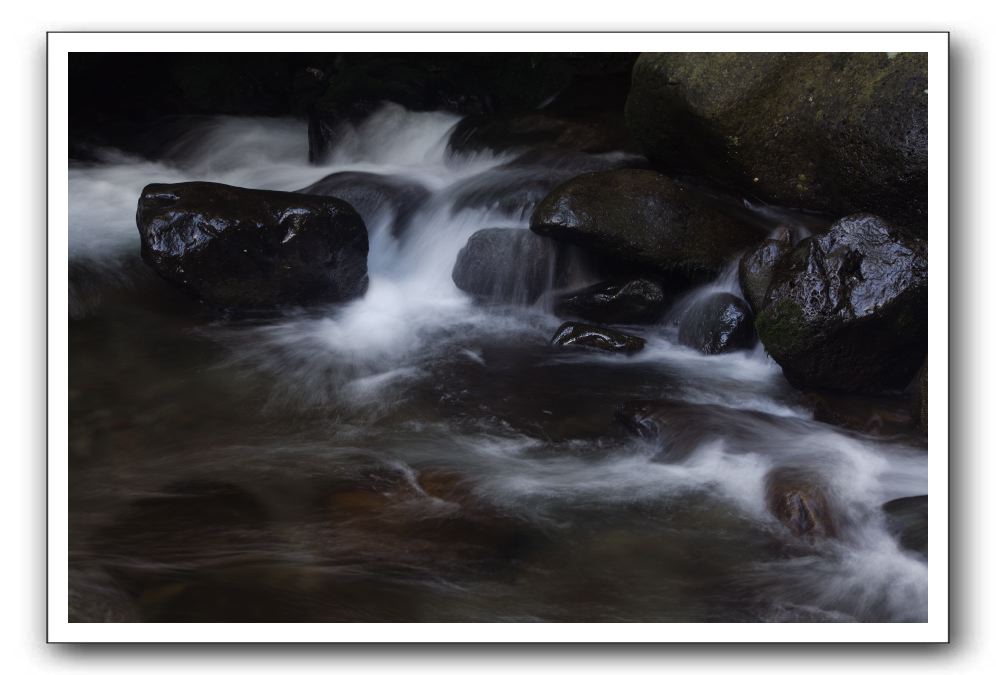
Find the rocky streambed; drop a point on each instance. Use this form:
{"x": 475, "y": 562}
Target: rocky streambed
{"x": 516, "y": 365}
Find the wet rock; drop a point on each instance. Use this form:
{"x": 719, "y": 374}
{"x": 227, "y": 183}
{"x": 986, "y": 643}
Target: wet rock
{"x": 878, "y": 415}
{"x": 504, "y": 132}
{"x": 573, "y": 334}
{"x": 756, "y": 268}
{"x": 920, "y": 398}
{"x": 506, "y": 265}
{"x": 838, "y": 132}
{"x": 717, "y": 324}
{"x": 374, "y": 196}
{"x": 634, "y": 301}
{"x": 234, "y": 247}
{"x": 644, "y": 219}
{"x": 517, "y": 187}
{"x": 906, "y": 518}
{"x": 847, "y": 310}
{"x": 800, "y": 503}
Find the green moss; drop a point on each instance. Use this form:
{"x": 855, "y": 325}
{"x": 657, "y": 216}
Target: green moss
{"x": 781, "y": 327}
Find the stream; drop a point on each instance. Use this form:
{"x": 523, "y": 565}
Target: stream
{"x": 416, "y": 456}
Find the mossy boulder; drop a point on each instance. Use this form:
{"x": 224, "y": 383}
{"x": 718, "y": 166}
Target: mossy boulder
{"x": 847, "y": 310}
{"x": 756, "y": 268}
{"x": 717, "y": 324}
{"x": 837, "y": 132}
{"x": 573, "y": 334}
{"x": 643, "y": 219}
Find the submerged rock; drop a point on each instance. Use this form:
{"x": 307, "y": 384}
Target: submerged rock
{"x": 718, "y": 324}
{"x": 234, "y": 247}
{"x": 373, "y": 194}
{"x": 838, "y": 132}
{"x": 869, "y": 414}
{"x": 756, "y": 268}
{"x": 641, "y": 218}
{"x": 506, "y": 265}
{"x": 800, "y": 503}
{"x": 573, "y": 334}
{"x": 906, "y": 518}
{"x": 847, "y": 310}
{"x": 635, "y": 301}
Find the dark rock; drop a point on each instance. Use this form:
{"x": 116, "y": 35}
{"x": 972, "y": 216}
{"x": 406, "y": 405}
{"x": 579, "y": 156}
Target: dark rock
{"x": 906, "y": 518}
{"x": 837, "y": 132}
{"x": 504, "y": 132}
{"x": 467, "y": 84}
{"x": 234, "y": 247}
{"x": 920, "y": 398}
{"x": 756, "y": 268}
{"x": 879, "y": 415}
{"x": 635, "y": 301}
{"x": 847, "y": 310}
{"x": 507, "y": 265}
{"x": 717, "y": 324}
{"x": 642, "y": 218}
{"x": 800, "y": 503}
{"x": 513, "y": 191}
{"x": 572, "y": 334}
{"x": 373, "y": 194}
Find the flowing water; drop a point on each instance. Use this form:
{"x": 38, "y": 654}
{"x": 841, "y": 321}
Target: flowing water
{"x": 413, "y": 456}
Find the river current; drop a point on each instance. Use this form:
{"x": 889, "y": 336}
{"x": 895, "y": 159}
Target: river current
{"x": 416, "y": 456}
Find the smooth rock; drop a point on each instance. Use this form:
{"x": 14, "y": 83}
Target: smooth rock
{"x": 573, "y": 334}
{"x": 756, "y": 268}
{"x": 634, "y": 301}
{"x": 506, "y": 265}
{"x": 234, "y": 247}
{"x": 717, "y": 324}
{"x": 374, "y": 195}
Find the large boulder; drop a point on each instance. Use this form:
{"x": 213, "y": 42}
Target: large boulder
{"x": 374, "y": 196}
{"x": 573, "y": 334}
{"x": 234, "y": 247}
{"x": 642, "y": 218}
{"x": 800, "y": 502}
{"x": 839, "y": 132}
{"x": 847, "y": 310}
{"x": 633, "y": 301}
{"x": 757, "y": 266}
{"x": 717, "y": 324}
{"x": 507, "y": 265}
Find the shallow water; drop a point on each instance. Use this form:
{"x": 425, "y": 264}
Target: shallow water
{"x": 412, "y": 456}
